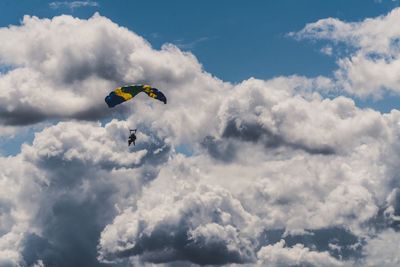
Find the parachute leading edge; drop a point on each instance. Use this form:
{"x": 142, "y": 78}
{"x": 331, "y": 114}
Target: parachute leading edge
{"x": 125, "y": 93}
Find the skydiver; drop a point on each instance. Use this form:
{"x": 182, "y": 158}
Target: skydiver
{"x": 132, "y": 137}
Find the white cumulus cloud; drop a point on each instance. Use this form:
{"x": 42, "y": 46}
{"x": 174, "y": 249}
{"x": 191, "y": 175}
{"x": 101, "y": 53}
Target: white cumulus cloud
{"x": 372, "y": 65}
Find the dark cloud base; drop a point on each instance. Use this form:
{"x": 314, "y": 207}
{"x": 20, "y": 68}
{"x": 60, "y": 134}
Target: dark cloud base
{"x": 320, "y": 240}
{"x": 71, "y": 230}
{"x": 225, "y": 149}
{"x": 172, "y": 243}
{"x": 253, "y": 132}
{"x": 23, "y": 116}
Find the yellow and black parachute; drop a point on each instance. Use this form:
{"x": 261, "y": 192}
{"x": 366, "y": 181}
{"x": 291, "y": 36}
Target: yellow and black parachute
{"x": 125, "y": 93}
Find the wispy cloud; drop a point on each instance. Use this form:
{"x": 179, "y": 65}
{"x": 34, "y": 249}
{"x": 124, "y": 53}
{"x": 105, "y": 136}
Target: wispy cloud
{"x": 73, "y": 4}
{"x": 327, "y": 50}
{"x": 381, "y": 1}
{"x": 183, "y": 44}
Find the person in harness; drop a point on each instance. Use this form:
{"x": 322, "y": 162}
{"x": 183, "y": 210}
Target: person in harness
{"x": 132, "y": 137}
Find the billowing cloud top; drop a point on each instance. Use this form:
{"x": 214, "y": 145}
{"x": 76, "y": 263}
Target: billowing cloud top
{"x": 274, "y": 173}
{"x": 64, "y": 67}
{"x": 372, "y": 66}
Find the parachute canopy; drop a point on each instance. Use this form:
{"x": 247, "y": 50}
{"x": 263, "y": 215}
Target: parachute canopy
{"x": 124, "y": 93}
